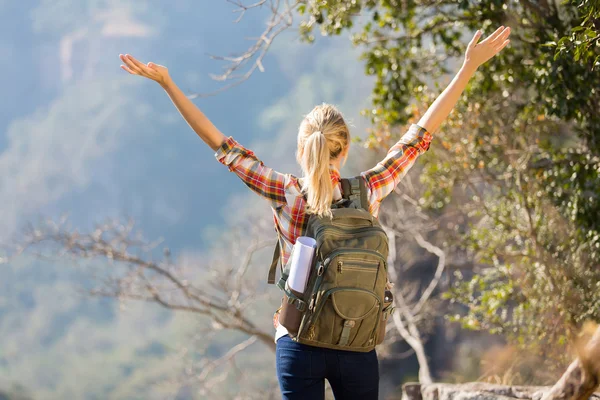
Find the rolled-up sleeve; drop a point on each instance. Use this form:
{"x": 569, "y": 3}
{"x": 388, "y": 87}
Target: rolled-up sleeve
{"x": 385, "y": 176}
{"x": 261, "y": 179}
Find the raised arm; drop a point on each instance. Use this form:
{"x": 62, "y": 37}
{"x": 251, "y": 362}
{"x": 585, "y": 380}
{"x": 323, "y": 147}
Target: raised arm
{"x": 476, "y": 54}
{"x": 188, "y": 110}
{"x": 264, "y": 181}
{"x": 385, "y": 176}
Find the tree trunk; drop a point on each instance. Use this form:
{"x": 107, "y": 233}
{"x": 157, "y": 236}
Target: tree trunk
{"x": 583, "y": 375}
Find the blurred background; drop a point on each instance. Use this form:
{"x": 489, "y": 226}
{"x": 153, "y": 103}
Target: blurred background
{"x": 125, "y": 245}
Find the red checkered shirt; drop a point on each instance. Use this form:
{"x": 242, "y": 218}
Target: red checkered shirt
{"x": 283, "y": 191}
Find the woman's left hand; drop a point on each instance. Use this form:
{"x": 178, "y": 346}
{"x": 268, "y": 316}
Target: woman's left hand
{"x": 479, "y": 53}
{"x": 152, "y": 71}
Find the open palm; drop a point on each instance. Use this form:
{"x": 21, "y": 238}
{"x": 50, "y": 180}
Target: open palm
{"x": 152, "y": 71}
{"x": 479, "y": 53}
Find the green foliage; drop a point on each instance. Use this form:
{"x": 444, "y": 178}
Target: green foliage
{"x": 537, "y": 273}
{"x": 518, "y": 162}
{"x": 584, "y": 40}
{"x": 410, "y": 43}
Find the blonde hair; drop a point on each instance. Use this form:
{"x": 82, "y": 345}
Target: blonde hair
{"x": 322, "y": 137}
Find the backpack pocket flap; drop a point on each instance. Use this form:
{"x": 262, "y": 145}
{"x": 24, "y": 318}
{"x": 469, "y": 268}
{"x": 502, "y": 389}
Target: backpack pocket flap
{"x": 360, "y": 217}
{"x": 354, "y": 304}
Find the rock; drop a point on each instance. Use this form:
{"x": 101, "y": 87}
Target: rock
{"x": 411, "y": 391}
{"x": 473, "y": 391}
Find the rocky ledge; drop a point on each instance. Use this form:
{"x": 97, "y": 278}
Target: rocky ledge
{"x": 474, "y": 391}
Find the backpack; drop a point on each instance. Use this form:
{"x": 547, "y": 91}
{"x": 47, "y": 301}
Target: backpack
{"x": 342, "y": 306}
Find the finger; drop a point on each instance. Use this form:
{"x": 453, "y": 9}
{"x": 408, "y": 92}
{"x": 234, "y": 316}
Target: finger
{"x": 502, "y": 37}
{"x": 476, "y": 37}
{"x": 130, "y": 64}
{"x": 136, "y": 63}
{"x": 128, "y": 70}
{"x": 156, "y": 67}
{"x": 494, "y": 35}
{"x": 503, "y": 45}
{"x": 153, "y": 72}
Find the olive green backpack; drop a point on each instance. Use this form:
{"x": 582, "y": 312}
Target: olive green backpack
{"x": 343, "y": 304}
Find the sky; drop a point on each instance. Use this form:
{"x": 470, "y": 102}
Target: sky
{"x": 80, "y": 136}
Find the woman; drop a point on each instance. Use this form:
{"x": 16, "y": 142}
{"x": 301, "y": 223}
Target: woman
{"x": 323, "y": 143}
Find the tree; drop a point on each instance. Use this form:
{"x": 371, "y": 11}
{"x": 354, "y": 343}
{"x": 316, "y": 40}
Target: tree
{"x": 219, "y": 289}
{"x": 517, "y": 165}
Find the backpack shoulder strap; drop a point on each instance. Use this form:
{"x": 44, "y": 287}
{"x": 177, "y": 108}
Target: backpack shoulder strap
{"x": 285, "y": 270}
{"x": 274, "y": 263}
{"x": 354, "y": 189}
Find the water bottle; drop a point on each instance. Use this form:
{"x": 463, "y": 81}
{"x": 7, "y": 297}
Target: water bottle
{"x": 300, "y": 265}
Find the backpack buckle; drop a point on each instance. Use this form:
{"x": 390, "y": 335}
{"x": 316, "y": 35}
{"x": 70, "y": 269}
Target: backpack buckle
{"x": 301, "y": 305}
{"x": 281, "y": 283}
{"x": 348, "y": 325}
{"x": 320, "y": 270}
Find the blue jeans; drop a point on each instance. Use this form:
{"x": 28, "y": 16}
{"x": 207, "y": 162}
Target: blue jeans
{"x": 302, "y": 370}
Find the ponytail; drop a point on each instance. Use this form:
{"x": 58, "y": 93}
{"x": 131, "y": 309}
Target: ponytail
{"x": 322, "y": 137}
{"x": 317, "y": 181}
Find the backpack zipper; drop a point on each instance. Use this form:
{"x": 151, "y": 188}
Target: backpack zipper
{"x": 341, "y": 269}
{"x": 355, "y": 231}
{"x": 368, "y": 266}
{"x": 342, "y": 225}
{"x": 336, "y": 252}
{"x": 344, "y": 234}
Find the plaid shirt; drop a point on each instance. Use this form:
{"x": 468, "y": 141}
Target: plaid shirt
{"x": 283, "y": 191}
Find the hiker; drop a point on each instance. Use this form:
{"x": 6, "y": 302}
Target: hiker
{"x": 323, "y": 143}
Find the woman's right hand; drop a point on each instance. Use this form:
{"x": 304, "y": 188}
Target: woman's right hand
{"x": 156, "y": 72}
{"x": 479, "y": 53}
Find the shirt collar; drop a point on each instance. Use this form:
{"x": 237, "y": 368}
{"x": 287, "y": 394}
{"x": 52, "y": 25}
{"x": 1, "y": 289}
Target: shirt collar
{"x": 336, "y": 179}
{"x": 335, "y": 174}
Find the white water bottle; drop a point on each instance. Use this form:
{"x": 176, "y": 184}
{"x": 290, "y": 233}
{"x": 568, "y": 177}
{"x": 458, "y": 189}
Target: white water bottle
{"x": 300, "y": 263}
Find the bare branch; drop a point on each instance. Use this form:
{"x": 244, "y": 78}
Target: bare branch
{"x": 243, "y": 8}
{"x": 209, "y": 375}
{"x": 134, "y": 275}
{"x": 207, "y": 369}
{"x": 282, "y": 13}
{"x": 416, "y": 344}
{"x": 438, "y": 272}
{"x": 239, "y": 276}
{"x": 404, "y": 320}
